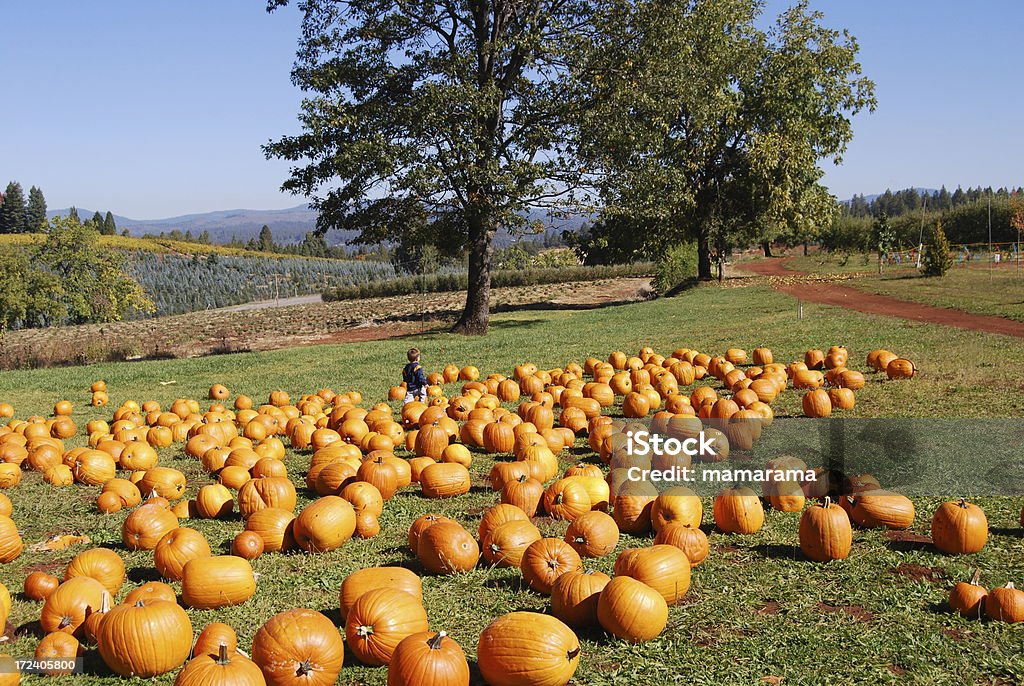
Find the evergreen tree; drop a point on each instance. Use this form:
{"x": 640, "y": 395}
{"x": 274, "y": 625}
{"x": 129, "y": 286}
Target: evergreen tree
{"x": 936, "y": 259}
{"x": 266, "y": 240}
{"x": 13, "y": 214}
{"x": 97, "y": 221}
{"x": 109, "y": 225}
{"x": 73, "y": 215}
{"x": 36, "y": 215}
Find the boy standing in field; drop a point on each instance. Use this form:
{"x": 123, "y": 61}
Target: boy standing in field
{"x": 414, "y": 377}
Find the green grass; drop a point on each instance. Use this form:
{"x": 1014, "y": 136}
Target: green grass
{"x": 978, "y": 290}
{"x": 756, "y": 609}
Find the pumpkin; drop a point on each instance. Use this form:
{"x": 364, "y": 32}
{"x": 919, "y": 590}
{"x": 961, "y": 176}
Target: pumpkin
{"x": 67, "y": 608}
{"x": 150, "y": 591}
{"x": 364, "y": 497}
{"x": 428, "y": 659}
{"x": 275, "y": 526}
{"x": 566, "y": 499}
{"x": 900, "y": 368}
{"x": 223, "y": 666}
{"x": 968, "y": 598}
{"x": 738, "y": 511}
{"x": 447, "y": 548}
{"x": 505, "y": 545}
{"x": 325, "y": 524}
{"x": 1005, "y": 604}
{"x": 496, "y": 516}
{"x": 878, "y": 508}
{"x": 691, "y": 540}
{"x": 524, "y": 493}
{"x": 959, "y": 528}
{"x": 664, "y": 568}
{"x": 445, "y": 480}
{"x": 632, "y": 610}
{"x": 125, "y": 490}
{"x": 527, "y": 649}
{"x": 208, "y": 583}
{"x": 39, "y": 585}
{"x": 825, "y": 532}
{"x": 102, "y": 564}
{"x": 594, "y": 534}
{"x": 574, "y": 597}
{"x": 382, "y": 475}
{"x": 785, "y": 496}
{"x": 212, "y": 637}
{"x": 678, "y": 505}
{"x": 817, "y": 403}
{"x": 247, "y": 545}
{"x": 372, "y": 578}
{"x": 145, "y": 639}
{"x": 379, "y": 620}
{"x": 176, "y": 548}
{"x": 299, "y": 647}
{"x": 146, "y": 525}
{"x": 545, "y": 560}
{"x": 214, "y": 501}
{"x": 268, "y": 491}
{"x": 632, "y": 505}
{"x": 58, "y": 648}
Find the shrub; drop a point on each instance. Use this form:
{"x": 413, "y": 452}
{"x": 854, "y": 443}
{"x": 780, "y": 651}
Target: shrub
{"x": 677, "y": 266}
{"x": 936, "y": 258}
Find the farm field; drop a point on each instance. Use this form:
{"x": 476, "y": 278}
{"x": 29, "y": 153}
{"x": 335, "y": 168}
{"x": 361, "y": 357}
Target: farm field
{"x": 757, "y": 611}
{"x": 979, "y": 290}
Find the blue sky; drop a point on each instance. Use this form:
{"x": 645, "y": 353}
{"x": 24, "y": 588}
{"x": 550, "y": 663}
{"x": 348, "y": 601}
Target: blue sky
{"x": 154, "y": 109}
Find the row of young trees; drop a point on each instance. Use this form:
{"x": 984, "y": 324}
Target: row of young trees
{"x": 442, "y": 122}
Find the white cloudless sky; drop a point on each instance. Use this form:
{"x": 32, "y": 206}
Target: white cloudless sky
{"x": 155, "y": 109}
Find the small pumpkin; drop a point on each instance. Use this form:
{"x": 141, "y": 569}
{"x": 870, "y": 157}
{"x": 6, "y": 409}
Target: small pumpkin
{"x": 632, "y": 610}
{"x": 223, "y": 666}
{"x": 968, "y": 598}
{"x": 212, "y": 637}
{"x": 959, "y": 528}
{"x": 146, "y": 525}
{"x": 505, "y": 545}
{"x": 691, "y": 540}
{"x": 176, "y": 549}
{"x": 212, "y": 582}
{"x": 594, "y": 534}
{"x": 58, "y": 648}
{"x": 546, "y": 560}
{"x": 428, "y": 659}
{"x": 247, "y": 545}
{"x": 447, "y": 548}
{"x": 900, "y": 368}
{"x": 825, "y": 532}
{"x": 1005, "y": 604}
{"x": 39, "y": 585}
{"x": 574, "y": 597}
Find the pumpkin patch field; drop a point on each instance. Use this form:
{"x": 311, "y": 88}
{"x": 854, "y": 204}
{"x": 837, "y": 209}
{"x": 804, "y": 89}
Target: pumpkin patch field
{"x": 282, "y": 518}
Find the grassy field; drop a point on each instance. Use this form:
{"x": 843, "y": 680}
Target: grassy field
{"x": 156, "y": 245}
{"x": 756, "y": 608}
{"x": 998, "y": 292}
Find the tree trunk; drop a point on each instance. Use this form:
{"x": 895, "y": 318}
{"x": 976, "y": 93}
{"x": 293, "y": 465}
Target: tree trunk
{"x": 767, "y": 247}
{"x": 805, "y": 248}
{"x": 476, "y": 315}
{"x": 703, "y": 254}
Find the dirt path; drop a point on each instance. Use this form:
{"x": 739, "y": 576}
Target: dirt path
{"x": 808, "y": 287}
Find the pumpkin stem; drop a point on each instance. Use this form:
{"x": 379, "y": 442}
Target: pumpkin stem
{"x": 976, "y": 578}
{"x": 364, "y": 631}
{"x": 1009, "y": 584}
{"x": 571, "y": 655}
{"x": 222, "y": 655}
{"x": 304, "y": 668}
{"x": 64, "y": 622}
{"x": 435, "y": 642}
{"x": 962, "y": 504}
{"x": 828, "y": 502}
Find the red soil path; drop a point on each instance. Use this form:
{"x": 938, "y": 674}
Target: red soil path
{"x": 843, "y": 296}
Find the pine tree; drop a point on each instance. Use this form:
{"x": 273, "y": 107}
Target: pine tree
{"x": 13, "y": 212}
{"x": 266, "y": 240}
{"x": 73, "y": 215}
{"x": 97, "y": 221}
{"x": 109, "y": 225}
{"x": 936, "y": 259}
{"x": 36, "y": 215}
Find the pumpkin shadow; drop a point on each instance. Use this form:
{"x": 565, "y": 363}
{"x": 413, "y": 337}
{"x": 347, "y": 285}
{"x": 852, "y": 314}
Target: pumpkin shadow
{"x": 93, "y": 664}
{"x": 778, "y": 552}
{"x": 909, "y": 546}
{"x": 515, "y": 584}
{"x": 942, "y": 608}
{"x": 33, "y": 628}
{"x": 333, "y": 614}
{"x": 1012, "y": 532}
{"x": 141, "y": 575}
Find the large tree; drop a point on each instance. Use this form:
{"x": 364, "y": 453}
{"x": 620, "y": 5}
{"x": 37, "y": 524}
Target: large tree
{"x": 445, "y": 120}
{"x": 13, "y": 213}
{"x": 36, "y": 213}
{"x": 109, "y": 225}
{"x": 729, "y": 121}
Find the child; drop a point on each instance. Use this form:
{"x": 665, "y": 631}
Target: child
{"x": 415, "y": 378}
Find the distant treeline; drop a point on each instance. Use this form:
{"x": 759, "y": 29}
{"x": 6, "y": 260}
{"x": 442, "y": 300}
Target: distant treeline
{"x": 894, "y": 204}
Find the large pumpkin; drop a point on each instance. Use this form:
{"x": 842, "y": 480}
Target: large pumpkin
{"x": 594, "y": 534}
{"x": 146, "y": 525}
{"x": 505, "y": 545}
{"x": 164, "y": 481}
{"x": 546, "y": 560}
{"x": 527, "y": 649}
{"x": 878, "y": 508}
{"x": 574, "y": 597}
{"x": 145, "y": 639}
{"x": 269, "y": 491}
{"x": 102, "y": 564}
{"x": 691, "y": 540}
{"x": 447, "y": 548}
{"x": 220, "y": 668}
{"x": 632, "y": 610}
{"x": 67, "y": 608}
{"x": 738, "y": 511}
{"x": 298, "y": 647}
{"x": 325, "y": 524}
{"x": 959, "y": 528}
{"x": 1005, "y": 604}
{"x": 677, "y": 505}
{"x": 177, "y": 548}
{"x": 208, "y": 583}
{"x": 825, "y": 532}
{"x": 444, "y": 480}
{"x": 428, "y": 659}
{"x": 275, "y": 526}
{"x": 372, "y": 578}
{"x": 379, "y": 620}
{"x": 665, "y": 568}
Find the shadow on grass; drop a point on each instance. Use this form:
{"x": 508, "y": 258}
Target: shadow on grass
{"x": 778, "y": 552}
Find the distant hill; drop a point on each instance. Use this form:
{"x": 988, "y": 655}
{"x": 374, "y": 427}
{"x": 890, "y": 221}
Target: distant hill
{"x": 288, "y": 225}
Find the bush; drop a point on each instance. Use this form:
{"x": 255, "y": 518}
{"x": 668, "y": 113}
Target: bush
{"x": 677, "y": 267}
{"x": 936, "y": 259}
